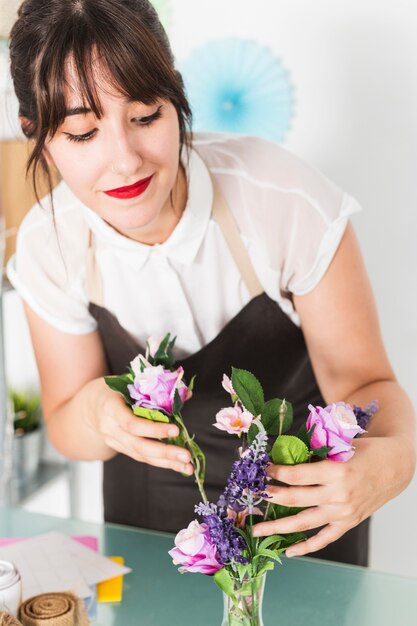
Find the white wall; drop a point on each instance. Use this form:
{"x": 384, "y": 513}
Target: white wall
{"x": 353, "y": 66}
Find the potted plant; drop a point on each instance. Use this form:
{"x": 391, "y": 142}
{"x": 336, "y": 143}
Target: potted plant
{"x": 27, "y": 434}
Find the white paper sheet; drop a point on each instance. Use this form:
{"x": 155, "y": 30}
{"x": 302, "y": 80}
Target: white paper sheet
{"x": 55, "y": 562}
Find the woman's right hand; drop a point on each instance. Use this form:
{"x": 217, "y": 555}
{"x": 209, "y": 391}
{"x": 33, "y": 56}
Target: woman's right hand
{"x": 109, "y": 416}
{"x": 87, "y": 420}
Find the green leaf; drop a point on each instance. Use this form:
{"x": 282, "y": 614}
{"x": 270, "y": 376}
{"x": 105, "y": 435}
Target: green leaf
{"x": 322, "y": 452}
{"x": 150, "y": 414}
{"x": 191, "y": 384}
{"x": 163, "y": 356}
{"x": 223, "y": 580}
{"x": 268, "y": 541}
{"x": 249, "y": 390}
{"x": 177, "y": 405}
{"x": 278, "y": 511}
{"x": 270, "y": 416}
{"x": 269, "y": 565}
{"x": 290, "y": 539}
{"x": 310, "y": 434}
{"x": 267, "y": 553}
{"x": 129, "y": 376}
{"x": 160, "y": 353}
{"x": 242, "y": 570}
{"x": 252, "y": 432}
{"x": 289, "y": 450}
{"x": 119, "y": 384}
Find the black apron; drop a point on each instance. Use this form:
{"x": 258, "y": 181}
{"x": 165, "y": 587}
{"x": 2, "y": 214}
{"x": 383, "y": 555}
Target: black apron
{"x": 260, "y": 338}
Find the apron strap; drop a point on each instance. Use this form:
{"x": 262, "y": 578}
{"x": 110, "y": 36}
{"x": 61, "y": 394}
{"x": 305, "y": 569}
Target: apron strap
{"x": 230, "y": 231}
{"x": 94, "y": 283}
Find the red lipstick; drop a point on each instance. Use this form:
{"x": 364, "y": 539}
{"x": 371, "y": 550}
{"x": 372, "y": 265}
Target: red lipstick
{"x": 131, "y": 191}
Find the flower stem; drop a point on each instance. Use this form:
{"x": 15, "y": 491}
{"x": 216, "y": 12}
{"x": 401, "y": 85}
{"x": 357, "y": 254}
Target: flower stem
{"x": 190, "y": 445}
{"x": 197, "y": 480}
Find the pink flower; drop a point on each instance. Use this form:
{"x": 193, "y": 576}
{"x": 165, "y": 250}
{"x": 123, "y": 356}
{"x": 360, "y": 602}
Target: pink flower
{"x": 154, "y": 388}
{"x": 227, "y": 385}
{"x": 194, "y": 550}
{"x": 336, "y": 426}
{"x": 233, "y": 420}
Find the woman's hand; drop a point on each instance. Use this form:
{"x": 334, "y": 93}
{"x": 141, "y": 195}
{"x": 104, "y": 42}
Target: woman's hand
{"x": 121, "y": 430}
{"x": 339, "y": 495}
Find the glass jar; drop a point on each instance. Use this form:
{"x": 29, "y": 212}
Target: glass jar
{"x": 244, "y": 607}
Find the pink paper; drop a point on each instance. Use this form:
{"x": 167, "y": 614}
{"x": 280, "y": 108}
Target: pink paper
{"x": 86, "y": 540}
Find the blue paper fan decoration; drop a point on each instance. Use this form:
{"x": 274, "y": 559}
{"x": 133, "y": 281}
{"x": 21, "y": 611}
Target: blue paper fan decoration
{"x": 237, "y": 85}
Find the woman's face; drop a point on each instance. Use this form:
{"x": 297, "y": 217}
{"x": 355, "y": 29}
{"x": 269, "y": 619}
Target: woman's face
{"x": 124, "y": 165}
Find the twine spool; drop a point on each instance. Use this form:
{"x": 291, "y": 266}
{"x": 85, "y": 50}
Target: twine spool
{"x": 53, "y": 609}
{"x": 8, "y": 620}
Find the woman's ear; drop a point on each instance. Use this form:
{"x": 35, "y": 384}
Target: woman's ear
{"x": 28, "y": 131}
{"x": 26, "y": 126}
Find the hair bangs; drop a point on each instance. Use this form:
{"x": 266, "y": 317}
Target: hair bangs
{"x": 129, "y": 66}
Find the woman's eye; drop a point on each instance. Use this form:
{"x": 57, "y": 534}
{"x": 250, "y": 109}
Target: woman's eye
{"x": 148, "y": 119}
{"x": 84, "y": 137}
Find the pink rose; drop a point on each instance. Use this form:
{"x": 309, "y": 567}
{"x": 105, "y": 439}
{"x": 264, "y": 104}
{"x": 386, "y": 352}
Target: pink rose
{"x": 233, "y": 420}
{"x": 154, "y": 388}
{"x": 227, "y": 385}
{"x": 195, "y": 550}
{"x": 336, "y": 426}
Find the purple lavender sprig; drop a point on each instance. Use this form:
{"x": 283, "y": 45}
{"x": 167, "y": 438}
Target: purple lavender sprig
{"x": 224, "y": 535}
{"x": 363, "y": 416}
{"x": 246, "y": 485}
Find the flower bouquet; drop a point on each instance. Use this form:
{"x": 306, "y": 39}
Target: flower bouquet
{"x": 222, "y": 544}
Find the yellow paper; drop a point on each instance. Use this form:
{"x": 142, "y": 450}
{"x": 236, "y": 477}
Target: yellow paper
{"x": 111, "y": 590}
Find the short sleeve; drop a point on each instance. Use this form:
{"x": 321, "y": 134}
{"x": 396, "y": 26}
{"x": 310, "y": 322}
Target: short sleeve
{"x": 316, "y": 231}
{"x": 48, "y": 269}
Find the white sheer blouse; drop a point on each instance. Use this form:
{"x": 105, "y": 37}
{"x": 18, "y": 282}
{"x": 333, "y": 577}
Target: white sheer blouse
{"x": 291, "y": 219}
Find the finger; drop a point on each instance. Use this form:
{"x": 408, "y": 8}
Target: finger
{"x": 166, "y": 463}
{"x": 142, "y": 427}
{"x": 321, "y": 473}
{"x": 150, "y": 451}
{"x": 324, "y": 537}
{"x": 299, "y": 496}
{"x": 155, "y": 449}
{"x": 308, "y": 519}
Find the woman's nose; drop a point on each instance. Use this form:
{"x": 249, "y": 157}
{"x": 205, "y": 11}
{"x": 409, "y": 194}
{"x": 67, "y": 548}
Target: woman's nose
{"x": 125, "y": 158}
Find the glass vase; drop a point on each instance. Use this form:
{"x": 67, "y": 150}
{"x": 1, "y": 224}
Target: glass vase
{"x": 245, "y": 607}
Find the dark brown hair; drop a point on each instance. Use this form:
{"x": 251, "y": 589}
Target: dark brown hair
{"x": 127, "y": 38}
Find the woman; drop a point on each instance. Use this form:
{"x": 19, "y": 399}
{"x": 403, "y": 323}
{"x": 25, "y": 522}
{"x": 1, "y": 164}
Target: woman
{"x": 137, "y": 240}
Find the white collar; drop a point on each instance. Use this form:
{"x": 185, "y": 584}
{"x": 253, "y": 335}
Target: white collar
{"x": 185, "y": 240}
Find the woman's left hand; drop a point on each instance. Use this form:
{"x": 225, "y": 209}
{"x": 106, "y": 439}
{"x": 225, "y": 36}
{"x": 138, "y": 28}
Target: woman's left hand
{"x": 340, "y": 495}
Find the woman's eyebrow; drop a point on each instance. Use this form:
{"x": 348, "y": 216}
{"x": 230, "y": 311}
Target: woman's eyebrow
{"x": 77, "y": 111}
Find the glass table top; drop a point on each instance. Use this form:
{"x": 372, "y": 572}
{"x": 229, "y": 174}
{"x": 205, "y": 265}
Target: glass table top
{"x": 301, "y": 591}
